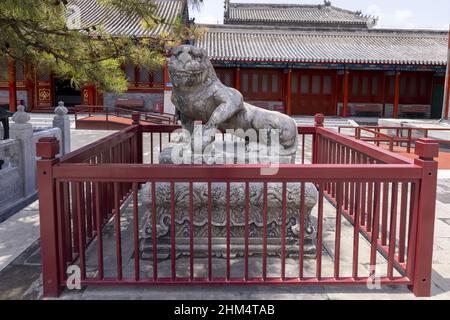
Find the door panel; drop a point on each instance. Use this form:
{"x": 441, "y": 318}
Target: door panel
{"x": 44, "y": 90}
{"x": 226, "y": 76}
{"x": 313, "y": 91}
{"x": 437, "y": 97}
{"x": 262, "y": 84}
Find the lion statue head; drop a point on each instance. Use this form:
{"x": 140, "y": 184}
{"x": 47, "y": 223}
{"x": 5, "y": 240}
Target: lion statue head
{"x": 190, "y": 66}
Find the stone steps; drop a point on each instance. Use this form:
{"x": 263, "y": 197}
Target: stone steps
{"x": 329, "y": 122}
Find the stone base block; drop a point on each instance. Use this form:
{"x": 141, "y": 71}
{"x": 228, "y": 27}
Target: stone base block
{"x": 237, "y": 219}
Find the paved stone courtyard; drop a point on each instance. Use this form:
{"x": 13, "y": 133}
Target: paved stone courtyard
{"x": 20, "y": 274}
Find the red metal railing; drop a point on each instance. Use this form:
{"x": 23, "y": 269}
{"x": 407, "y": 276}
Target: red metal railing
{"x": 395, "y": 135}
{"x": 375, "y": 213}
{"x": 83, "y": 111}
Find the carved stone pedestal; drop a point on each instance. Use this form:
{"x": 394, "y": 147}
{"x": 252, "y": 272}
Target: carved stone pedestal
{"x": 237, "y": 215}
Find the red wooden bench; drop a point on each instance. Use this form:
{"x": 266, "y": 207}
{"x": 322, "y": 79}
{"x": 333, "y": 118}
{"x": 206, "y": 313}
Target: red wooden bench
{"x": 130, "y": 103}
{"x": 415, "y": 109}
{"x": 369, "y": 109}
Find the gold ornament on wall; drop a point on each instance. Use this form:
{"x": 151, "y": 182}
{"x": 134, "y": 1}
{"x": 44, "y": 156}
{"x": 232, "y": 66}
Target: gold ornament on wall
{"x": 44, "y": 94}
{"x": 86, "y": 96}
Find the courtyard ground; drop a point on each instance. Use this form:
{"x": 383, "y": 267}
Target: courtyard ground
{"x": 20, "y": 269}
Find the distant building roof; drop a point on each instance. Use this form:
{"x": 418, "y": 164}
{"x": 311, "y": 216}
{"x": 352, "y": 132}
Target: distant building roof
{"x": 324, "y": 15}
{"x": 269, "y": 44}
{"x": 116, "y": 23}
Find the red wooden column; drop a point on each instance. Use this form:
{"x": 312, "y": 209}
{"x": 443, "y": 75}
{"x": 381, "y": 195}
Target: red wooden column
{"x": 12, "y": 85}
{"x": 336, "y": 93}
{"x": 166, "y": 78}
{"x": 237, "y": 79}
{"x": 345, "y": 95}
{"x": 383, "y": 92}
{"x": 89, "y": 95}
{"x": 137, "y": 76}
{"x": 288, "y": 92}
{"x": 446, "y": 109}
{"x": 47, "y": 149}
{"x": 396, "y": 94}
{"x": 319, "y": 120}
{"x": 29, "y": 83}
{"x": 136, "y": 117}
{"x": 422, "y": 256}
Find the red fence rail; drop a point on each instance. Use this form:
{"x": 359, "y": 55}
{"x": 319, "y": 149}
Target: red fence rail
{"x": 82, "y": 112}
{"x": 395, "y": 135}
{"x": 374, "y": 214}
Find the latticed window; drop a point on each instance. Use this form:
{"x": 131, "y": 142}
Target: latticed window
{"x": 226, "y": 76}
{"x": 130, "y": 72}
{"x": 144, "y": 75}
{"x": 355, "y": 86}
{"x": 265, "y": 83}
{"x": 403, "y": 86}
{"x": 275, "y": 87}
{"x": 366, "y": 87}
{"x": 423, "y": 87}
{"x": 158, "y": 77}
{"x": 245, "y": 82}
{"x": 304, "y": 83}
{"x": 391, "y": 89}
{"x": 374, "y": 86}
{"x": 43, "y": 75}
{"x": 294, "y": 83}
{"x": 327, "y": 89}
{"x": 316, "y": 85}
{"x": 227, "y": 80}
{"x": 415, "y": 87}
{"x": 255, "y": 83}
{"x": 3, "y": 69}
{"x": 262, "y": 84}
{"x": 313, "y": 91}
{"x": 20, "y": 71}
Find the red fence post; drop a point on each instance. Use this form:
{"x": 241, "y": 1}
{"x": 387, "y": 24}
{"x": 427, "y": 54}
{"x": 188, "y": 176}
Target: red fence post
{"x": 47, "y": 149}
{"x": 136, "y": 117}
{"x": 427, "y": 151}
{"x": 319, "y": 119}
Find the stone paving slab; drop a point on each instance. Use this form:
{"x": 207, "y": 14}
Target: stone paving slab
{"x": 17, "y": 234}
{"x": 202, "y": 293}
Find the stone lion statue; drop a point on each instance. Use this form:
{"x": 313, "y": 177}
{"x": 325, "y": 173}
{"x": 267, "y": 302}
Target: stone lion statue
{"x": 198, "y": 94}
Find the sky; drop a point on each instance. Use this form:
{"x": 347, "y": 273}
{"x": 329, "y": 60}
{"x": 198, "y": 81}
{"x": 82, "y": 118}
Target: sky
{"x": 409, "y": 14}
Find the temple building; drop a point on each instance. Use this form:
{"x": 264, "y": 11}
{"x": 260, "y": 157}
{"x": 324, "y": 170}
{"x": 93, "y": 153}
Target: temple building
{"x": 40, "y": 92}
{"x": 305, "y": 59}
{"x": 297, "y": 59}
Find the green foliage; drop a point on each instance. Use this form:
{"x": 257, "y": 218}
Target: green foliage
{"x": 36, "y": 31}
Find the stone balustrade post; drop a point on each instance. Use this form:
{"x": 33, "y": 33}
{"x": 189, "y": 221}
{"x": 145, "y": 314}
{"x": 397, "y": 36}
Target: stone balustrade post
{"x": 62, "y": 121}
{"x": 21, "y": 130}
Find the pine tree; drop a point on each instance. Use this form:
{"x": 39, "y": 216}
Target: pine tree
{"x": 38, "y": 32}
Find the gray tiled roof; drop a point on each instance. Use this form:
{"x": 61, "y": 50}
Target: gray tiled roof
{"x": 115, "y": 23}
{"x": 374, "y": 46}
{"x": 291, "y": 14}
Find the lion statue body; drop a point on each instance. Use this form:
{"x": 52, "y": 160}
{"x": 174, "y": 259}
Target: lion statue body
{"x": 198, "y": 95}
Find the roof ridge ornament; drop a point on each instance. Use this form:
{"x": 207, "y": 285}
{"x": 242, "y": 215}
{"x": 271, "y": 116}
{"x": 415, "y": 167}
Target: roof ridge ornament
{"x": 227, "y": 8}
{"x": 327, "y": 3}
